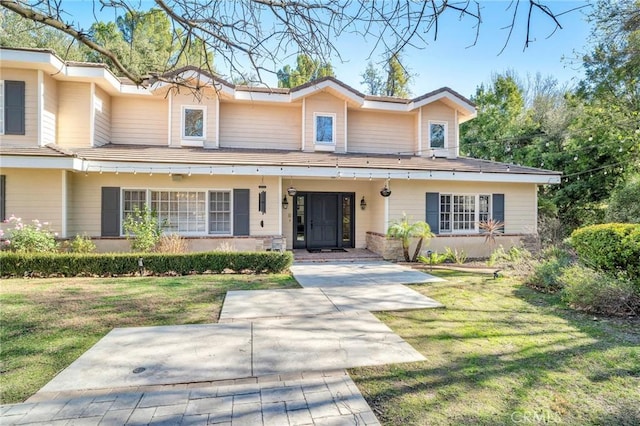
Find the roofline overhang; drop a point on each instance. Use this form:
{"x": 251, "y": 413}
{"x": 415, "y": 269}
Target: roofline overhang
{"x": 294, "y": 171}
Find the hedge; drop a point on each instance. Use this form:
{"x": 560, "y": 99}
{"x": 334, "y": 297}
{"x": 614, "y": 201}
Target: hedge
{"x": 610, "y": 247}
{"x": 114, "y": 264}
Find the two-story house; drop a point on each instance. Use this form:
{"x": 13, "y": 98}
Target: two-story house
{"x": 321, "y": 165}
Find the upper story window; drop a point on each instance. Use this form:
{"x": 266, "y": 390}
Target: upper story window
{"x": 12, "y": 106}
{"x": 193, "y": 122}
{"x": 325, "y": 128}
{"x": 437, "y": 134}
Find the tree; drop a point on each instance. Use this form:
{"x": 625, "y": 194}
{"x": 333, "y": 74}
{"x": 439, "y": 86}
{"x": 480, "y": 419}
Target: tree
{"x": 373, "y": 80}
{"x": 406, "y": 231}
{"x": 254, "y": 35}
{"x": 306, "y": 70}
{"x": 398, "y": 78}
{"x": 624, "y": 204}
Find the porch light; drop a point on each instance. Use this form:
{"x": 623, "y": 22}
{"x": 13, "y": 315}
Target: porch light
{"x": 285, "y": 202}
{"x": 385, "y": 192}
{"x": 363, "y": 203}
{"x": 291, "y": 191}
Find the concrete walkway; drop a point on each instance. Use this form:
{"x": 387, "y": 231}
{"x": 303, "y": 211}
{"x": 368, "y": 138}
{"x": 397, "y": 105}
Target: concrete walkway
{"x": 275, "y": 357}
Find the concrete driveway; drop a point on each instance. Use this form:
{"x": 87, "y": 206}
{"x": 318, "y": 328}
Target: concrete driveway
{"x": 301, "y": 334}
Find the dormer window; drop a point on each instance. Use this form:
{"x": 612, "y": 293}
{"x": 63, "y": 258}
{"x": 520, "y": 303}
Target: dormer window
{"x": 437, "y": 134}
{"x": 325, "y": 128}
{"x": 193, "y": 122}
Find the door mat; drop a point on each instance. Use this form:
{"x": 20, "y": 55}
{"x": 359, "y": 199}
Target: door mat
{"x": 326, "y": 250}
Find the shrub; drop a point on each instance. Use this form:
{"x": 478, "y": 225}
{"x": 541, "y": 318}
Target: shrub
{"x": 142, "y": 229}
{"x": 502, "y": 258}
{"x": 74, "y": 264}
{"x": 611, "y": 247}
{"x": 172, "y": 243}
{"x": 405, "y": 232}
{"x": 624, "y": 204}
{"x": 597, "y": 292}
{"x": 81, "y": 244}
{"x": 546, "y": 274}
{"x": 434, "y": 258}
{"x": 29, "y": 238}
{"x": 455, "y": 256}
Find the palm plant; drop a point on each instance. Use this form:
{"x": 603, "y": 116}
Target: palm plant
{"x": 491, "y": 228}
{"x": 405, "y": 231}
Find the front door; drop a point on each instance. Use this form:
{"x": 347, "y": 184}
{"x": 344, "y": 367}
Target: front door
{"x": 323, "y": 220}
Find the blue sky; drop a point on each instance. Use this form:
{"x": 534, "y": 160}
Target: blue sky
{"x": 449, "y": 61}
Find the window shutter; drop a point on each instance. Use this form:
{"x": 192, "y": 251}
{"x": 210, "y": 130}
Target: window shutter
{"x": 498, "y": 208}
{"x": 433, "y": 211}
{"x": 240, "y": 212}
{"x": 3, "y": 197}
{"x": 14, "y": 108}
{"x": 110, "y": 225}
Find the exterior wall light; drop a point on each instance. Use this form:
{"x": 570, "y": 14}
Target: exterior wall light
{"x": 285, "y": 202}
{"x": 363, "y": 203}
{"x": 291, "y": 191}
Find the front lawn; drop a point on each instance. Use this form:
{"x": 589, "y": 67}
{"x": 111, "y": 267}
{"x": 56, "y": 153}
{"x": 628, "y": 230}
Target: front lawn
{"x": 501, "y": 353}
{"x": 45, "y": 324}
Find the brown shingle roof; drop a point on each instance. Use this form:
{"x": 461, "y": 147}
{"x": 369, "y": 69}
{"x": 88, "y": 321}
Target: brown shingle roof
{"x": 228, "y": 156}
{"x": 35, "y": 151}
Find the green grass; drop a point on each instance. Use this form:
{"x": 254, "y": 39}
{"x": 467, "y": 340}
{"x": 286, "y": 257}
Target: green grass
{"x": 501, "y": 353}
{"x": 45, "y": 324}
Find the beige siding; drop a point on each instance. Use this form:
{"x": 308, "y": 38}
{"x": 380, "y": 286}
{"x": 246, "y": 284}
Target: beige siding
{"x": 102, "y": 110}
{"x": 324, "y": 103}
{"x": 50, "y": 110}
{"x": 35, "y": 194}
{"x": 30, "y": 78}
{"x": 84, "y": 209}
{"x": 180, "y": 100}
{"x": 520, "y": 201}
{"x": 381, "y": 133}
{"x": 439, "y": 111}
{"x": 136, "y": 121}
{"x": 244, "y": 125}
{"x": 74, "y": 114}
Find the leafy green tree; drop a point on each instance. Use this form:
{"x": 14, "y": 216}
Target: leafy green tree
{"x": 398, "y": 78}
{"x": 624, "y": 204}
{"x": 406, "y": 231}
{"x": 373, "y": 80}
{"x": 306, "y": 70}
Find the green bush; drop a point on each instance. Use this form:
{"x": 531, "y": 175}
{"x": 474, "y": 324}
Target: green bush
{"x": 501, "y": 258}
{"x": 74, "y": 264}
{"x": 29, "y": 238}
{"x": 455, "y": 256}
{"x": 434, "y": 258}
{"x": 143, "y": 229}
{"x": 546, "y": 274}
{"x": 81, "y": 244}
{"x": 624, "y": 204}
{"x": 611, "y": 247}
{"x": 597, "y": 292}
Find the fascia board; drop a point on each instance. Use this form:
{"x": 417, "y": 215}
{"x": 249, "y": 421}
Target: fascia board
{"x": 32, "y": 162}
{"x": 315, "y": 88}
{"x": 465, "y": 107}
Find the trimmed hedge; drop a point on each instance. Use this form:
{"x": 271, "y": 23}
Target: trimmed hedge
{"x": 610, "y": 247}
{"x": 113, "y": 264}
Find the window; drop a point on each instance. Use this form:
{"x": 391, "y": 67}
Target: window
{"x": 462, "y": 213}
{"x": 437, "y": 134}
{"x": 325, "y": 128}
{"x": 193, "y": 122}
{"x": 132, "y": 199}
{"x": 12, "y": 117}
{"x": 180, "y": 211}
{"x": 220, "y": 212}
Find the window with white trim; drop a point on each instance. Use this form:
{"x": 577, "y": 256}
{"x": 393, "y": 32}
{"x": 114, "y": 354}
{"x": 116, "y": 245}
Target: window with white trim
{"x": 461, "y": 213}
{"x": 180, "y": 211}
{"x": 220, "y": 212}
{"x": 437, "y": 134}
{"x": 12, "y": 107}
{"x": 132, "y": 200}
{"x": 194, "y": 122}
{"x": 324, "y": 126}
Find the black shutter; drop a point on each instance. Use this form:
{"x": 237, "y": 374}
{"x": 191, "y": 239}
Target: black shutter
{"x": 3, "y": 197}
{"x": 14, "y": 108}
{"x": 110, "y": 225}
{"x": 498, "y": 208}
{"x": 433, "y": 211}
{"x": 240, "y": 212}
